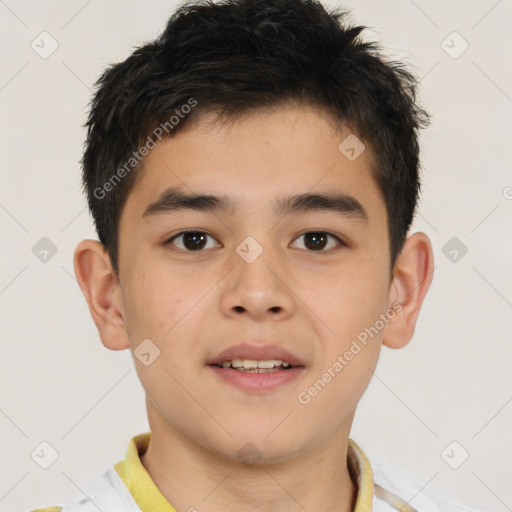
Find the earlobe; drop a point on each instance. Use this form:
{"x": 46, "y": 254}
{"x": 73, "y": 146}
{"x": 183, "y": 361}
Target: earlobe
{"x": 100, "y": 286}
{"x": 412, "y": 276}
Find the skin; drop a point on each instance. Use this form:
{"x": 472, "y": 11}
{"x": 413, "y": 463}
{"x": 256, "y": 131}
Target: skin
{"x": 193, "y": 305}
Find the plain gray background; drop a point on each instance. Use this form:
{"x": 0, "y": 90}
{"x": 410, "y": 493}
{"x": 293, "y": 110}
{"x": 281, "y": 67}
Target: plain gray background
{"x": 59, "y": 385}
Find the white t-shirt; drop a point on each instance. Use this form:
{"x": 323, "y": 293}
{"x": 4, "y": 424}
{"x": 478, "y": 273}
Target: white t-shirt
{"x": 128, "y": 487}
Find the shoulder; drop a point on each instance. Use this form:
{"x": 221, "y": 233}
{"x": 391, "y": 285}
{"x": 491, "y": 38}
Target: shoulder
{"x": 396, "y": 489}
{"x": 105, "y": 492}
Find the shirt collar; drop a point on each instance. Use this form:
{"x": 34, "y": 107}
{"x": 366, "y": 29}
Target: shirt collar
{"x": 134, "y": 475}
{"x": 149, "y": 498}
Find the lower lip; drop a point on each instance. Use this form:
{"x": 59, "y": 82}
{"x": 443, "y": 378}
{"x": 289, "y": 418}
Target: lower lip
{"x": 257, "y": 382}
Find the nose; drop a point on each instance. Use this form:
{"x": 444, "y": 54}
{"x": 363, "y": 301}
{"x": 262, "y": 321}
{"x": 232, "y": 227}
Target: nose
{"x": 258, "y": 290}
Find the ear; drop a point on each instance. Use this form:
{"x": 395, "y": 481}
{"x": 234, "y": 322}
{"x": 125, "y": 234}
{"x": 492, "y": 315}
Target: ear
{"x": 412, "y": 275}
{"x": 102, "y": 291}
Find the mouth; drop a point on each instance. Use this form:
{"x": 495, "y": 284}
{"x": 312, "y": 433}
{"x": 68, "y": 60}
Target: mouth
{"x": 255, "y": 368}
{"x": 254, "y": 356}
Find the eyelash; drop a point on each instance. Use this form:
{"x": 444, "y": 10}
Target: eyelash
{"x": 181, "y": 233}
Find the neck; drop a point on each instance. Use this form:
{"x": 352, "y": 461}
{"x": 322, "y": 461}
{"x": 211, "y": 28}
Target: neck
{"x": 191, "y": 477}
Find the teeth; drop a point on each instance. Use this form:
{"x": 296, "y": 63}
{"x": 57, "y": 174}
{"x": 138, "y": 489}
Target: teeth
{"x": 269, "y": 363}
{"x": 258, "y": 370}
{"x": 251, "y": 364}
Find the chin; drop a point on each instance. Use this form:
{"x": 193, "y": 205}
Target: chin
{"x": 253, "y": 447}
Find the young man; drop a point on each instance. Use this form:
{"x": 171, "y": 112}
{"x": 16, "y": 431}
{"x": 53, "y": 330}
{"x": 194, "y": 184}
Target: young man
{"x": 253, "y": 174}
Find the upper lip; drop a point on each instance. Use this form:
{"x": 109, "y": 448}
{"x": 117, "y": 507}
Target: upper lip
{"x": 256, "y": 352}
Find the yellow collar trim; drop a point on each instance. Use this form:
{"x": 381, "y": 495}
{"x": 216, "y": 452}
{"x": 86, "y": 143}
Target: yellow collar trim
{"x": 360, "y": 468}
{"x": 134, "y": 475}
{"x": 149, "y": 498}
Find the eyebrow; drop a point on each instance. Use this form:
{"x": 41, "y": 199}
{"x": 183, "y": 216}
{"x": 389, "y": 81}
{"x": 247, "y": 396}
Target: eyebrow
{"x": 173, "y": 200}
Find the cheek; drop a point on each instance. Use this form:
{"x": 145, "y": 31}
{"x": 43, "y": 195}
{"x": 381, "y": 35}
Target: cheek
{"x": 351, "y": 302}
{"x": 350, "y": 384}
{"x": 152, "y": 306}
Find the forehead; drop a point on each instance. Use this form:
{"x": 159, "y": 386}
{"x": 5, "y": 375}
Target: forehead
{"x": 257, "y": 160}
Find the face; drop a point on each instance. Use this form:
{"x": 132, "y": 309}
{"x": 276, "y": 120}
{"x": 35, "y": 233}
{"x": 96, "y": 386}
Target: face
{"x": 257, "y": 277}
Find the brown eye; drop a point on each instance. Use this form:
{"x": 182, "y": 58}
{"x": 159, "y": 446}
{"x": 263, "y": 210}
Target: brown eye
{"x": 318, "y": 241}
{"x": 191, "y": 240}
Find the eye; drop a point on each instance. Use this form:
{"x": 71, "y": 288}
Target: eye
{"x": 191, "y": 240}
{"x": 318, "y": 240}
{"x": 314, "y": 241}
